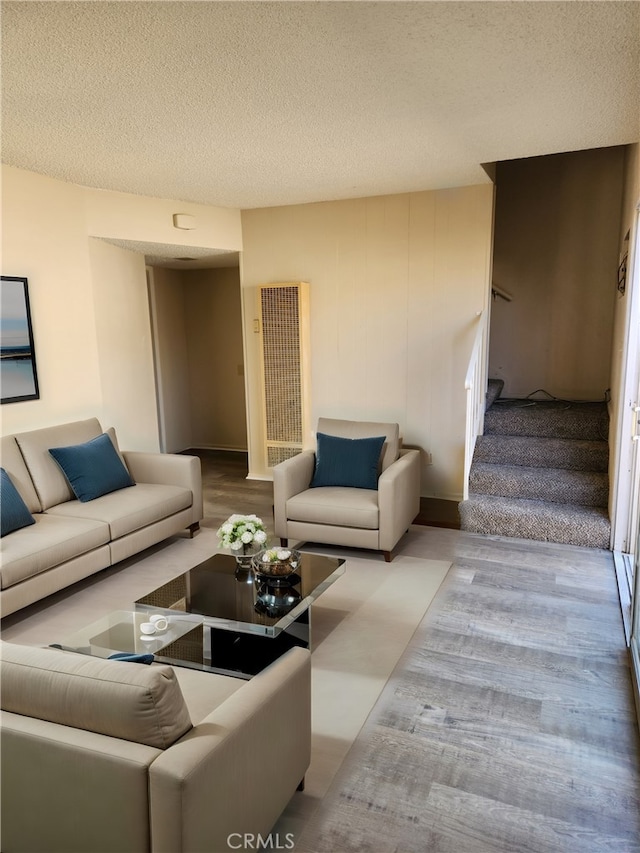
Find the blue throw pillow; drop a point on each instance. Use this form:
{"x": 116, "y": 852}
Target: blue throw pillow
{"x": 347, "y": 461}
{"x": 129, "y": 657}
{"x": 93, "y": 468}
{"x": 14, "y": 512}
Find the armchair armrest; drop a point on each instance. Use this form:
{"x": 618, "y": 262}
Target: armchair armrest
{"x": 169, "y": 469}
{"x": 237, "y": 769}
{"x": 398, "y": 497}
{"x": 290, "y": 478}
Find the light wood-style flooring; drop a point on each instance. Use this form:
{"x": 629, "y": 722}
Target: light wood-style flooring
{"x": 509, "y": 724}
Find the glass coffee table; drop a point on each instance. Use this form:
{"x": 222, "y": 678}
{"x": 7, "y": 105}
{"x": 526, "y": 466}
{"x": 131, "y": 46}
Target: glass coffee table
{"x": 220, "y": 618}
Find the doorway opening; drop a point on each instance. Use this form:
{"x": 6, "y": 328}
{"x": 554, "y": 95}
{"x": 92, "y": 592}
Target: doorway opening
{"x": 196, "y": 318}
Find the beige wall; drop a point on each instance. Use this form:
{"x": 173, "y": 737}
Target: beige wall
{"x": 132, "y": 217}
{"x": 216, "y": 363}
{"x": 89, "y": 299}
{"x": 395, "y": 286}
{"x": 123, "y": 336}
{"x": 171, "y": 358}
{"x": 556, "y": 251}
{"x": 44, "y": 239}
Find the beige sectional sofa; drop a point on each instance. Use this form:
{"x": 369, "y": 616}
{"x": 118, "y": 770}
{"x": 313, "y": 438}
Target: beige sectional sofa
{"x": 71, "y": 539}
{"x": 103, "y": 755}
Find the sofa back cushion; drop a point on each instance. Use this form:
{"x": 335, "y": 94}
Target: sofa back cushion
{"x": 13, "y": 463}
{"x": 49, "y": 481}
{"x": 138, "y": 703}
{"x": 366, "y": 429}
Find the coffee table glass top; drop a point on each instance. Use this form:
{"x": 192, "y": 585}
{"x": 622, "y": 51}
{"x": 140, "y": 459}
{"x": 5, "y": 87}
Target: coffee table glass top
{"x": 224, "y": 597}
{"x": 120, "y": 631}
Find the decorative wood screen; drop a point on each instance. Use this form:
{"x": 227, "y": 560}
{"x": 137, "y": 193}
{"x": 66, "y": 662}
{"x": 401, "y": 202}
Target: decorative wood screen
{"x": 284, "y": 323}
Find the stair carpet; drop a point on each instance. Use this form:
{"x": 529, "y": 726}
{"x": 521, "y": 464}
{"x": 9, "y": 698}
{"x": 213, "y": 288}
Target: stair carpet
{"x": 540, "y": 472}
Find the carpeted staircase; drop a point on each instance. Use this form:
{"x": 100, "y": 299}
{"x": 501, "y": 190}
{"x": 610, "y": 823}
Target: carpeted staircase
{"x": 540, "y": 472}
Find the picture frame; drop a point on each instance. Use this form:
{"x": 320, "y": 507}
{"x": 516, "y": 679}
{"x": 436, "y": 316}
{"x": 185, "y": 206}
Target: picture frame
{"x": 18, "y": 373}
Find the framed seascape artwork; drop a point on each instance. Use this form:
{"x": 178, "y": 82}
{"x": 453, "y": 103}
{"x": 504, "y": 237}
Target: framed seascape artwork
{"x": 18, "y": 376}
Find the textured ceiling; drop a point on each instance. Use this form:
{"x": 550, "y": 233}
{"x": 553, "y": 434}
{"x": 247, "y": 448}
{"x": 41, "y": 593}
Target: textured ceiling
{"x": 179, "y": 257}
{"x": 243, "y": 104}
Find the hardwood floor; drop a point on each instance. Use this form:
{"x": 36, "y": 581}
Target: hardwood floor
{"x": 226, "y": 489}
{"x": 509, "y": 724}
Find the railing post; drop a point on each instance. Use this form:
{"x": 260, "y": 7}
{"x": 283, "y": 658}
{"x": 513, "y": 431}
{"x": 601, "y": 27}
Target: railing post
{"x": 475, "y": 389}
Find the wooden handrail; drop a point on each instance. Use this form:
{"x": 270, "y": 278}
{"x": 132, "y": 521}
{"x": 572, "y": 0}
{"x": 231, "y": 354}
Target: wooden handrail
{"x": 499, "y": 291}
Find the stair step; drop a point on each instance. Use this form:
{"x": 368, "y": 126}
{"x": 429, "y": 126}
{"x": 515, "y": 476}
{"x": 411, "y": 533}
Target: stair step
{"x": 566, "y": 453}
{"x": 543, "y": 521}
{"x": 494, "y": 389}
{"x": 548, "y": 419}
{"x": 585, "y": 488}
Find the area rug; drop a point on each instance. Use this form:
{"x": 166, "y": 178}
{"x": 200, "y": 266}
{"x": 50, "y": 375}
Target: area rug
{"x": 360, "y": 627}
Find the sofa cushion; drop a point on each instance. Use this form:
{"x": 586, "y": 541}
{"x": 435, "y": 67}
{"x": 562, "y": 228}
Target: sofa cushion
{"x": 13, "y": 511}
{"x": 129, "y": 509}
{"x": 92, "y": 468}
{"x": 336, "y": 505}
{"x": 366, "y": 429}
{"x": 47, "y": 543}
{"x": 13, "y": 463}
{"x": 351, "y": 462}
{"x": 50, "y": 483}
{"x": 143, "y": 704}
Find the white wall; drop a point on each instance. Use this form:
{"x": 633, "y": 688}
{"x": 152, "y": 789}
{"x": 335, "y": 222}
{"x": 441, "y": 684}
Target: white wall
{"x": 395, "y": 286}
{"x": 556, "y": 242}
{"x": 621, "y": 456}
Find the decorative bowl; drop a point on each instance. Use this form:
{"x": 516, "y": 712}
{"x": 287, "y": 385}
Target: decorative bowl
{"x": 275, "y": 599}
{"x": 276, "y": 563}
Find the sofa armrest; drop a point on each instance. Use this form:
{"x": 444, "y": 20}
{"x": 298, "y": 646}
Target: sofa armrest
{"x": 290, "y": 478}
{"x": 170, "y": 469}
{"x": 236, "y": 770}
{"x": 47, "y": 766}
{"x": 398, "y": 497}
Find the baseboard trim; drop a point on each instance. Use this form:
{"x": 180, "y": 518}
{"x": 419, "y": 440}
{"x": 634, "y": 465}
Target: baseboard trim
{"x": 624, "y": 573}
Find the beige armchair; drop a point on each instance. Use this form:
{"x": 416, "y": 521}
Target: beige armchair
{"x": 335, "y": 496}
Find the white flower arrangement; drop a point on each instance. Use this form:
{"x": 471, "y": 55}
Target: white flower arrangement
{"x": 242, "y": 532}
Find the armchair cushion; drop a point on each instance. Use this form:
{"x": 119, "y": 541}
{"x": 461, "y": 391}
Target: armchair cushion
{"x": 336, "y": 505}
{"x": 348, "y": 462}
